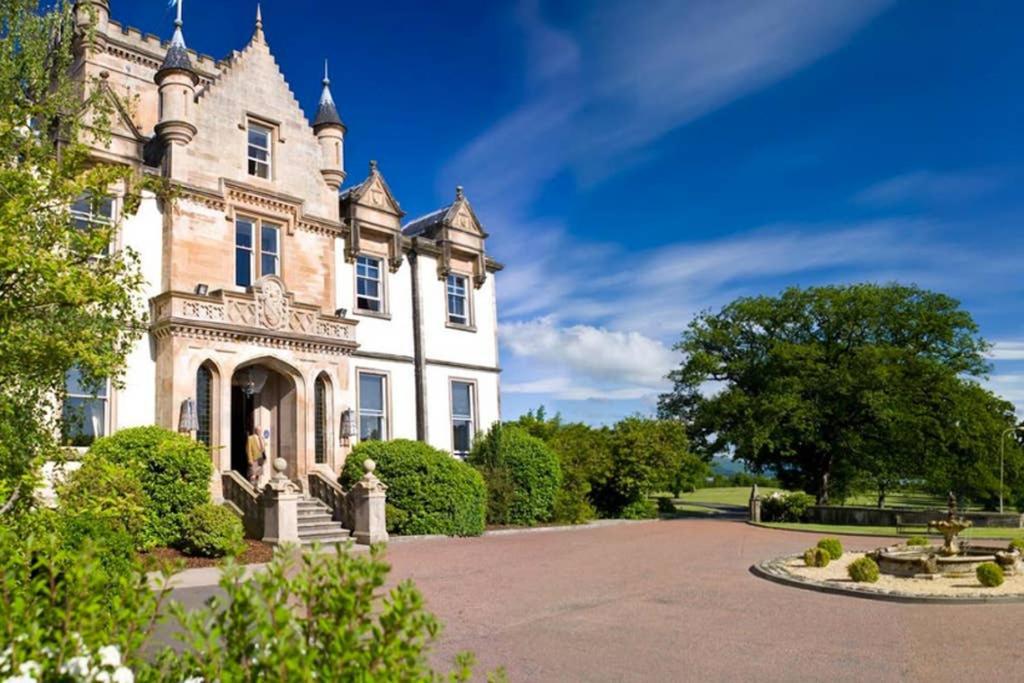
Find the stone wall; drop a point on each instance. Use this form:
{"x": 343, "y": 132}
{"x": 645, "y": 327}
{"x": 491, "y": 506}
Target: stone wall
{"x": 870, "y": 516}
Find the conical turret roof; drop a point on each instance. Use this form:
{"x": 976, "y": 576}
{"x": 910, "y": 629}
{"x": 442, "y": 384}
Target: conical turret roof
{"x": 326, "y": 111}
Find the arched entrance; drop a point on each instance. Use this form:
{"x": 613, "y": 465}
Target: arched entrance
{"x": 264, "y": 397}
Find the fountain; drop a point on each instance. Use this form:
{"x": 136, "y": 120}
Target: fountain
{"x": 952, "y": 558}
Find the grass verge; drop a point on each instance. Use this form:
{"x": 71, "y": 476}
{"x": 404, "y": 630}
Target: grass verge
{"x": 995, "y": 533}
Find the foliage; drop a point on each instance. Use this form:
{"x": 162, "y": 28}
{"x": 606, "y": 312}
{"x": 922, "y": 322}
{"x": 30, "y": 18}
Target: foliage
{"x": 63, "y": 613}
{"x": 989, "y": 574}
{"x": 833, "y": 546}
{"x": 786, "y": 507}
{"x": 434, "y": 492}
{"x": 640, "y": 509}
{"x": 213, "y": 531}
{"x": 817, "y": 557}
{"x": 522, "y": 475}
{"x": 863, "y": 570}
{"x": 174, "y": 471}
{"x": 109, "y": 492}
{"x": 826, "y": 385}
{"x": 666, "y": 506}
{"x": 745, "y": 479}
{"x": 918, "y": 541}
{"x": 68, "y": 298}
{"x": 320, "y": 621}
{"x": 1017, "y": 544}
{"x": 647, "y": 456}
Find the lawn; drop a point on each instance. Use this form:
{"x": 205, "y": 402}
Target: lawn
{"x": 999, "y": 533}
{"x": 738, "y": 496}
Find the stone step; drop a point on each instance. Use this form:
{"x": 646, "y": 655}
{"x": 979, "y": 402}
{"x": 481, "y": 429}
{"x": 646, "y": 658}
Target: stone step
{"x": 319, "y": 527}
{"x": 338, "y": 535}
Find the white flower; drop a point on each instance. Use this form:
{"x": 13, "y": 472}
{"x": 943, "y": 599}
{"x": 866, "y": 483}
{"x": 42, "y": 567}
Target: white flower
{"x": 109, "y": 656}
{"x": 77, "y": 667}
{"x": 123, "y": 675}
{"x": 30, "y": 669}
{"x": 20, "y": 679}
{"x": 194, "y": 679}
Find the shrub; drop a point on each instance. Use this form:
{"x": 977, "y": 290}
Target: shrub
{"x": 109, "y": 492}
{"x": 666, "y": 506}
{"x": 433, "y": 492}
{"x": 213, "y": 531}
{"x": 584, "y": 454}
{"x": 337, "y": 626}
{"x": 174, "y": 472}
{"x": 640, "y": 509}
{"x": 989, "y": 574}
{"x": 863, "y": 570}
{"x": 817, "y": 557}
{"x": 1017, "y": 544}
{"x": 522, "y": 474}
{"x": 833, "y": 546}
{"x": 786, "y": 507}
{"x": 918, "y": 541}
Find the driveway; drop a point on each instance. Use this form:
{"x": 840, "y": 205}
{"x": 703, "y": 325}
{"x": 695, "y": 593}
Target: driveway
{"x": 674, "y": 600}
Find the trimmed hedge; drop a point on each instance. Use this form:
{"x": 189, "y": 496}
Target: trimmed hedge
{"x": 863, "y": 570}
{"x": 786, "y": 507}
{"x": 174, "y": 472}
{"x": 429, "y": 491}
{"x": 213, "y": 531}
{"x": 523, "y": 475}
{"x": 989, "y": 574}
{"x": 833, "y": 546}
{"x": 817, "y": 557}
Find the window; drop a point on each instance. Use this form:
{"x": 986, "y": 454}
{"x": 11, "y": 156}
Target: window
{"x": 458, "y": 300}
{"x": 204, "y": 404}
{"x": 462, "y": 418}
{"x": 372, "y": 407}
{"x": 87, "y": 214}
{"x": 368, "y": 285}
{"x": 259, "y": 150}
{"x": 84, "y": 414}
{"x": 269, "y": 261}
{"x": 320, "y": 429}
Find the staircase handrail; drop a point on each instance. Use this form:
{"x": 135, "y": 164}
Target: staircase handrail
{"x": 328, "y": 491}
{"x": 240, "y": 493}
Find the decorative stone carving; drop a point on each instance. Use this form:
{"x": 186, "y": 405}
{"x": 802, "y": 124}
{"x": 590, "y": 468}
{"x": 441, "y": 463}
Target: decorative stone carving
{"x": 272, "y": 303}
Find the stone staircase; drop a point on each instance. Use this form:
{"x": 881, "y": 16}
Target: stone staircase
{"x": 316, "y": 524}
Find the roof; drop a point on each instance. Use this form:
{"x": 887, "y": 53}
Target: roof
{"x": 425, "y": 224}
{"x": 177, "y": 54}
{"x": 326, "y": 111}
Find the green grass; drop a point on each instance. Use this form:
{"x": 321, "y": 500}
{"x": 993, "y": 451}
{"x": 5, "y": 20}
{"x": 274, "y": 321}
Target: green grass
{"x": 727, "y": 495}
{"x": 999, "y": 533}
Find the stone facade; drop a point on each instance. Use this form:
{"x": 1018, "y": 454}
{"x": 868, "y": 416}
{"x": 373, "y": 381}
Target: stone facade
{"x": 254, "y": 270}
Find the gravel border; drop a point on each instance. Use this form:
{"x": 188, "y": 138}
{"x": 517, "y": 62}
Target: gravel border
{"x": 775, "y": 570}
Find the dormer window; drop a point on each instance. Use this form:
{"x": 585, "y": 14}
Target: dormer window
{"x": 260, "y": 140}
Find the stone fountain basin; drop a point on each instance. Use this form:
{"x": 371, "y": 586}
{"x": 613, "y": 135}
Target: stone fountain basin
{"x": 902, "y": 560}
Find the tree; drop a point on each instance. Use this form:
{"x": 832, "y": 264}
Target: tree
{"x": 825, "y": 383}
{"x": 68, "y": 299}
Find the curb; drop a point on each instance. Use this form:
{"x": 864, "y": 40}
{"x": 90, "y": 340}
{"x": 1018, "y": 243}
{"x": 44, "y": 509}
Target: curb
{"x": 774, "y": 571}
{"x": 762, "y": 525}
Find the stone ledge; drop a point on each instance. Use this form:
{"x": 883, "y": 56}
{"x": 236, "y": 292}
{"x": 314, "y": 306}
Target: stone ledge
{"x": 775, "y": 570}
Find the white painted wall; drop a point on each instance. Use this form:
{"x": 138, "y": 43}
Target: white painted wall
{"x": 438, "y": 399}
{"x": 441, "y": 342}
{"x": 135, "y": 404}
{"x": 393, "y": 336}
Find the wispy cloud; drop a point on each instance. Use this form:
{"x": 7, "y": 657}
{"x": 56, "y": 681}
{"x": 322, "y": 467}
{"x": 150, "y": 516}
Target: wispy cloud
{"x": 1007, "y": 350}
{"x": 931, "y": 187}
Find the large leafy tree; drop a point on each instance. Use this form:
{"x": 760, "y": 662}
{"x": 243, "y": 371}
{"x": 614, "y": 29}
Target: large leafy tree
{"x": 829, "y": 385}
{"x": 68, "y": 297}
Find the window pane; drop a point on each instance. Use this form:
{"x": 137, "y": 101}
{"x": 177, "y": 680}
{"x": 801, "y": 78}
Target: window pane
{"x": 204, "y": 404}
{"x": 259, "y": 136}
{"x": 371, "y": 392}
{"x": 461, "y": 436}
{"x": 462, "y": 401}
{"x": 268, "y": 265}
{"x": 269, "y": 237}
{"x": 320, "y": 409}
{"x": 368, "y": 304}
{"x": 371, "y": 428}
{"x": 75, "y": 384}
{"x": 243, "y": 234}
{"x": 83, "y": 420}
{"x": 243, "y": 267}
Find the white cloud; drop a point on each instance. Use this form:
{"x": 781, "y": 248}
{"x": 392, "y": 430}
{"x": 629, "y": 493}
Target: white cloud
{"x": 1007, "y": 350}
{"x": 931, "y": 187}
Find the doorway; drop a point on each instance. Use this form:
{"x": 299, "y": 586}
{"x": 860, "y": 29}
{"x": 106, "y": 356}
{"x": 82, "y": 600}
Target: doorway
{"x": 265, "y": 398}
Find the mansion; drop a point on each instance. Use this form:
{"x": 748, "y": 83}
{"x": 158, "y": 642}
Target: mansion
{"x": 282, "y": 297}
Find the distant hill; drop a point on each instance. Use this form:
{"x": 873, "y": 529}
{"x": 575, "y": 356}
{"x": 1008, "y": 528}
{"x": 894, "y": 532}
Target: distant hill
{"x": 724, "y": 465}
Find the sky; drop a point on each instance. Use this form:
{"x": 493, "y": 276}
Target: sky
{"x": 637, "y": 163}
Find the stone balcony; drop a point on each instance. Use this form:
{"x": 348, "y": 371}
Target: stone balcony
{"x": 266, "y": 314}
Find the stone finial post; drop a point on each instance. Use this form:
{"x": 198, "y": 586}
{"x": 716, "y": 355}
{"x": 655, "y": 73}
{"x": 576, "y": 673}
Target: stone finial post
{"x": 755, "y": 505}
{"x": 368, "y": 500}
{"x": 281, "y": 500}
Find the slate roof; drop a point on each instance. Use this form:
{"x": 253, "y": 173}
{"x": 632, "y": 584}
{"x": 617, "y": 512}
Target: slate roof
{"x": 425, "y": 224}
{"x": 327, "y": 112}
{"x": 177, "y": 54}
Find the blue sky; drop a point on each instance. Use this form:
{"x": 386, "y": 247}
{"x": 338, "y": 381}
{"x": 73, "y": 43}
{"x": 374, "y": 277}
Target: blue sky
{"x": 634, "y": 167}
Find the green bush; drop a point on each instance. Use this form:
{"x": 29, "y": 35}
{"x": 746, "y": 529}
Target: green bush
{"x": 433, "y": 492}
{"x": 522, "y": 474}
{"x": 173, "y": 469}
{"x": 833, "y": 546}
{"x": 817, "y": 557}
{"x": 584, "y": 454}
{"x": 989, "y": 574}
{"x": 213, "y": 531}
{"x": 863, "y": 570}
{"x": 109, "y": 541}
{"x": 640, "y": 509}
{"x": 109, "y": 492}
{"x": 918, "y": 541}
{"x": 666, "y": 506}
{"x": 786, "y": 507}
{"x": 1017, "y": 544}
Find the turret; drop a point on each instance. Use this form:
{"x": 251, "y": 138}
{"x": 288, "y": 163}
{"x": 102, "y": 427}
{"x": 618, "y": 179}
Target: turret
{"x": 177, "y": 82}
{"x": 330, "y": 131}
{"x": 89, "y": 11}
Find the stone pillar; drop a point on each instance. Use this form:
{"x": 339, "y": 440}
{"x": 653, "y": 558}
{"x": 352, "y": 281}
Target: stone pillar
{"x": 755, "y": 505}
{"x": 368, "y": 500}
{"x": 281, "y": 503}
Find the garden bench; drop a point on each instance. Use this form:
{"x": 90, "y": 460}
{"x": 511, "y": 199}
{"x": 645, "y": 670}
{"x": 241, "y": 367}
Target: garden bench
{"x": 903, "y": 527}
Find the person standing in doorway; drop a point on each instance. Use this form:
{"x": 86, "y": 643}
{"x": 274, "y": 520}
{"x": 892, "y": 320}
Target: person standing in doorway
{"x": 255, "y": 451}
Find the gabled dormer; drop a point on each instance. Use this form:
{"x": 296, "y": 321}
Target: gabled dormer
{"x": 373, "y": 215}
{"x": 458, "y": 234}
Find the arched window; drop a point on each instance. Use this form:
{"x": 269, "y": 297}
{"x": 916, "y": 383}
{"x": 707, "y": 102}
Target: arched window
{"x": 204, "y": 404}
{"x": 320, "y": 414}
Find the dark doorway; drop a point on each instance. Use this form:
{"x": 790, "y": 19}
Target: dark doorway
{"x": 241, "y": 425}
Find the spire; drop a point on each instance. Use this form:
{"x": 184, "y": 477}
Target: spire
{"x": 326, "y": 111}
{"x": 258, "y": 35}
{"x": 177, "y": 53}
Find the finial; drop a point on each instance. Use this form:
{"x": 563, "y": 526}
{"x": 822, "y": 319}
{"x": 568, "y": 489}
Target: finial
{"x": 327, "y": 79}
{"x": 178, "y": 39}
{"x": 459, "y": 195}
{"x": 259, "y": 23}
{"x": 177, "y": 22}
{"x": 373, "y": 165}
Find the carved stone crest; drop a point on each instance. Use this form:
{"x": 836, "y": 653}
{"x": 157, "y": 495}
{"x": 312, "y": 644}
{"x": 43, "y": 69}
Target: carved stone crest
{"x": 272, "y": 303}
